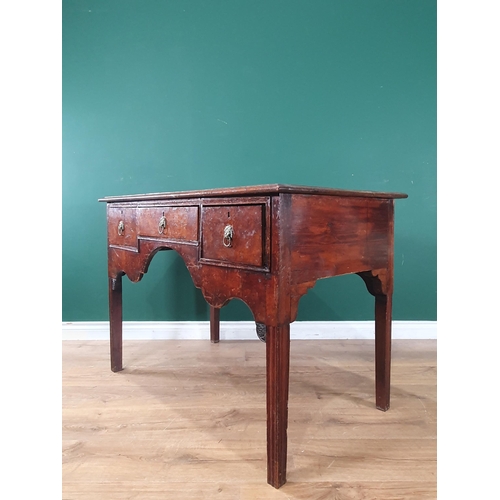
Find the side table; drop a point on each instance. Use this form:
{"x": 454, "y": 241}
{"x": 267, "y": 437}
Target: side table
{"x": 266, "y": 245}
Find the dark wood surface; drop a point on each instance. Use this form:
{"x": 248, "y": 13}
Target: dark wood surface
{"x": 214, "y": 325}
{"x": 246, "y": 246}
{"x": 266, "y": 245}
{"x": 266, "y": 189}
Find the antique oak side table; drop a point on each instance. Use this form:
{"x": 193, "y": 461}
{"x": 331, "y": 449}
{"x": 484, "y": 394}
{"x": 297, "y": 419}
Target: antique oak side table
{"x": 266, "y": 245}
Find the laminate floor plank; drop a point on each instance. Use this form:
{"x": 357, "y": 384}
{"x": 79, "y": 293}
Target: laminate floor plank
{"x": 186, "y": 420}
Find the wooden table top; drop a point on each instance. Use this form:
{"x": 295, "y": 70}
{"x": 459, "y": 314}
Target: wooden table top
{"x": 264, "y": 189}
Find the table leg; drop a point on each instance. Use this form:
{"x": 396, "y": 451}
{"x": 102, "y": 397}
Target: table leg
{"x": 214, "y": 324}
{"x": 383, "y": 316}
{"x": 115, "y": 322}
{"x": 277, "y": 375}
{"x": 379, "y": 284}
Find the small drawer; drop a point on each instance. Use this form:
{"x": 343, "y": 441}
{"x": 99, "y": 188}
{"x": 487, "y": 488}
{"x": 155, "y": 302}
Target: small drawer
{"x": 233, "y": 234}
{"x": 122, "y": 226}
{"x": 171, "y": 223}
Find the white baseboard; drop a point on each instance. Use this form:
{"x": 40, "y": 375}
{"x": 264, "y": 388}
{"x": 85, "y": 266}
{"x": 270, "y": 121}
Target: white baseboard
{"x": 244, "y": 330}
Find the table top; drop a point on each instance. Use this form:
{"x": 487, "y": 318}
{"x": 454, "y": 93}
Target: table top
{"x": 264, "y": 189}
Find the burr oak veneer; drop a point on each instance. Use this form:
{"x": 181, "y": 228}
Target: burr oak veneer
{"x": 266, "y": 245}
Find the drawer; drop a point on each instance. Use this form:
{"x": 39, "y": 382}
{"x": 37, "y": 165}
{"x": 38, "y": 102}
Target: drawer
{"x": 172, "y": 223}
{"x": 233, "y": 234}
{"x": 122, "y": 226}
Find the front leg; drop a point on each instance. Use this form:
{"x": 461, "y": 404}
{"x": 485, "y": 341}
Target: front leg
{"x": 277, "y": 376}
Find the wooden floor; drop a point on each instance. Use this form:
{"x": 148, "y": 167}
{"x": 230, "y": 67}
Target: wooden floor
{"x": 186, "y": 420}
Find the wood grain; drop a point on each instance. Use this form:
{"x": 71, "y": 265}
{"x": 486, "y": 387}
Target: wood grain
{"x": 187, "y": 420}
{"x": 181, "y": 223}
{"x": 266, "y": 245}
{"x": 247, "y": 245}
{"x": 251, "y": 191}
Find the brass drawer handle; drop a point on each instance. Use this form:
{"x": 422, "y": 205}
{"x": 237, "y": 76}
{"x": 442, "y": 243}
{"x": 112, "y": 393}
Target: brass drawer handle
{"x": 162, "y": 224}
{"x": 227, "y": 240}
{"x": 121, "y": 228}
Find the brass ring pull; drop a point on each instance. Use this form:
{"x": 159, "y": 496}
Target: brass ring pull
{"x": 162, "y": 224}
{"x": 121, "y": 228}
{"x": 227, "y": 240}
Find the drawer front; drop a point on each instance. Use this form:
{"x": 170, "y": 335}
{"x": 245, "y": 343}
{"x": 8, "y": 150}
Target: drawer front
{"x": 175, "y": 223}
{"x": 233, "y": 234}
{"x": 122, "y": 226}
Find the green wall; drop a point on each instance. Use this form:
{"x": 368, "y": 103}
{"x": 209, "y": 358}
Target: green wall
{"x": 165, "y": 95}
